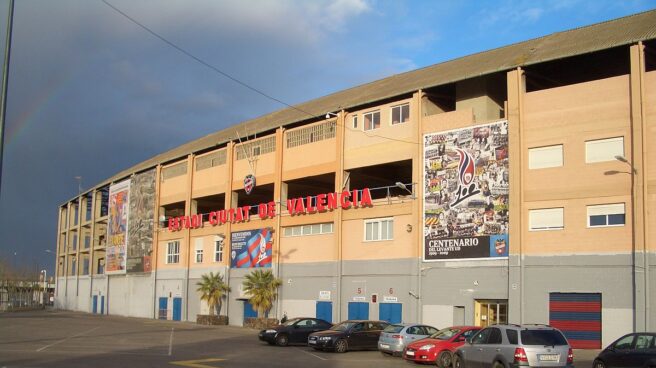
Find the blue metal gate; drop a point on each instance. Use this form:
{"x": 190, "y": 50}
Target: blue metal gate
{"x": 358, "y": 310}
{"x": 163, "y": 307}
{"x": 177, "y": 309}
{"x": 390, "y": 312}
{"x": 249, "y": 312}
{"x": 94, "y": 303}
{"x": 325, "y": 311}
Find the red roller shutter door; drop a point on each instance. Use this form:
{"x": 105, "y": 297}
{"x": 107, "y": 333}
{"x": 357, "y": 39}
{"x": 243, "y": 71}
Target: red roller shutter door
{"x": 578, "y": 316}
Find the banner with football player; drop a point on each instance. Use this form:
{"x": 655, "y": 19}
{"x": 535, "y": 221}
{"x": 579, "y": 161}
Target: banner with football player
{"x": 251, "y": 248}
{"x": 466, "y": 193}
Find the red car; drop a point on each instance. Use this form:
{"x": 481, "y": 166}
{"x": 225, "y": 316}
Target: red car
{"x": 438, "y": 348}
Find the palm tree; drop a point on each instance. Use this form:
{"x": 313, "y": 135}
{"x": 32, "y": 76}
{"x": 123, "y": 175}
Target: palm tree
{"x": 262, "y": 287}
{"x": 212, "y": 289}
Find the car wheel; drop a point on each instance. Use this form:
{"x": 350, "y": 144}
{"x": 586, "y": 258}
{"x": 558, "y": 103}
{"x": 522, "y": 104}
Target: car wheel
{"x": 458, "y": 362}
{"x": 341, "y": 346}
{"x": 282, "y": 340}
{"x": 445, "y": 359}
{"x": 498, "y": 365}
{"x": 598, "y": 364}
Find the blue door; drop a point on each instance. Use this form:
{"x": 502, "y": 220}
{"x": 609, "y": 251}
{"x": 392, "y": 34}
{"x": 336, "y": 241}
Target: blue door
{"x": 177, "y": 309}
{"x": 325, "y": 311}
{"x": 102, "y": 304}
{"x": 163, "y": 306}
{"x": 94, "y": 303}
{"x": 390, "y": 312}
{"x": 358, "y": 310}
{"x": 249, "y": 312}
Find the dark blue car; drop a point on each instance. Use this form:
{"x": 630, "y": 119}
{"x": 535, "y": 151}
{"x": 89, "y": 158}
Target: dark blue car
{"x": 632, "y": 350}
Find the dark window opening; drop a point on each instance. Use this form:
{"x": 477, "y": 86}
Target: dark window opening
{"x": 205, "y": 205}
{"x": 310, "y": 186}
{"x": 439, "y": 99}
{"x": 262, "y": 193}
{"x": 650, "y": 55}
{"x": 382, "y": 179}
{"x": 103, "y": 206}
{"x": 172, "y": 210}
{"x": 578, "y": 69}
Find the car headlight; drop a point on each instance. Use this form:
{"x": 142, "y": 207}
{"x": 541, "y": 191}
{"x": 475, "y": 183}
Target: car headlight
{"x": 324, "y": 338}
{"x": 270, "y": 331}
{"x": 427, "y": 347}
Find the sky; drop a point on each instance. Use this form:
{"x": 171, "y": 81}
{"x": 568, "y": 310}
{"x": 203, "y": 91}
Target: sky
{"x": 91, "y": 93}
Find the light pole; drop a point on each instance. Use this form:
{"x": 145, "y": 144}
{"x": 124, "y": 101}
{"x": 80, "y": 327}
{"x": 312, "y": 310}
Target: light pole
{"x": 45, "y": 287}
{"x": 633, "y": 236}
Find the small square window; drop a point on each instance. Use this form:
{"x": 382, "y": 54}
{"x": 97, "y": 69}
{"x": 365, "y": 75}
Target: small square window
{"x": 601, "y": 150}
{"x": 546, "y": 219}
{"x": 372, "y": 120}
{"x": 400, "y": 114}
{"x": 355, "y": 122}
{"x": 606, "y": 215}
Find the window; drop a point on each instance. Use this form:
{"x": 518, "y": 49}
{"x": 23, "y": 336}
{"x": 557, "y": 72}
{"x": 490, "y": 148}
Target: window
{"x": 512, "y": 336}
{"x": 400, "y": 114}
{"x": 199, "y": 249}
{"x": 173, "y": 252}
{"x": 314, "y": 229}
{"x": 73, "y": 264}
{"x": 87, "y": 241}
{"x": 218, "y": 249}
{"x": 644, "y": 342}
{"x": 74, "y": 241}
{"x": 495, "y": 336}
{"x": 372, "y": 120}
{"x": 545, "y": 219}
{"x": 482, "y": 336}
{"x": 379, "y": 229}
{"x": 624, "y": 343}
{"x": 85, "y": 266}
{"x": 355, "y": 122}
{"x": 543, "y": 157}
{"x": 101, "y": 266}
{"x": 604, "y": 149}
{"x": 606, "y": 215}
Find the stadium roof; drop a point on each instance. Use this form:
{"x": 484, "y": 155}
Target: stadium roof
{"x": 618, "y": 32}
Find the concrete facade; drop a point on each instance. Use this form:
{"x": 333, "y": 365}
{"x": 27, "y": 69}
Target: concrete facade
{"x": 332, "y": 256}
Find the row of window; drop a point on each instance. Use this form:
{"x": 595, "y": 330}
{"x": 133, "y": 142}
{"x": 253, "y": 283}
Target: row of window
{"x": 599, "y": 150}
{"x": 375, "y": 230}
{"x": 400, "y": 114}
{"x": 597, "y": 216}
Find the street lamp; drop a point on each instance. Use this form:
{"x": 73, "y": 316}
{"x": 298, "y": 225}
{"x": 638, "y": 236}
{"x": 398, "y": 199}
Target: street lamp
{"x": 633, "y": 172}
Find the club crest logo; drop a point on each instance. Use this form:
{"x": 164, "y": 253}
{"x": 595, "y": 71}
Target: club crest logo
{"x": 249, "y": 183}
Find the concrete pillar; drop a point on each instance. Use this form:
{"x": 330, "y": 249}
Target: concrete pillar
{"x": 516, "y": 90}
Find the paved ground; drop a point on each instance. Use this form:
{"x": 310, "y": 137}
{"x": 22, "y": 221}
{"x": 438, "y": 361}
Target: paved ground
{"x": 68, "y": 339}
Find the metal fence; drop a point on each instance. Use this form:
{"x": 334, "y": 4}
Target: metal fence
{"x": 21, "y": 294}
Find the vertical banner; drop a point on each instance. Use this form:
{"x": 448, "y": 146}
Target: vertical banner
{"x": 117, "y": 227}
{"x": 251, "y": 248}
{"x": 466, "y": 193}
{"x": 141, "y": 220}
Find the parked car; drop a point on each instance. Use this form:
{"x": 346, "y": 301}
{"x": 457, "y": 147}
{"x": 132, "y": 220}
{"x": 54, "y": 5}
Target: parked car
{"x": 348, "y": 335}
{"x": 632, "y": 350}
{"x": 502, "y": 346}
{"x": 439, "y": 347}
{"x": 293, "y": 331}
{"x": 395, "y": 337}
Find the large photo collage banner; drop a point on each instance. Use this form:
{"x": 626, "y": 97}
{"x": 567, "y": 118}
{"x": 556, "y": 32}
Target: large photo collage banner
{"x": 466, "y": 193}
{"x": 117, "y": 227}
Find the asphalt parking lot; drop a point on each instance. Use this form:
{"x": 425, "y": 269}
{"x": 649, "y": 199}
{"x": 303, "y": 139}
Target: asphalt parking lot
{"x": 69, "y": 339}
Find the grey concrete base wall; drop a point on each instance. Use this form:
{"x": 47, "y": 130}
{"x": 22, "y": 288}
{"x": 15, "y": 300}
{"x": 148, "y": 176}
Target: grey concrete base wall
{"x": 117, "y": 295}
{"x": 449, "y": 284}
{"x": 83, "y": 296}
{"x": 170, "y": 284}
{"x": 140, "y": 291}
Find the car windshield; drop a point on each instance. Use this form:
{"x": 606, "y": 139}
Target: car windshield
{"x": 445, "y": 333}
{"x": 344, "y": 326}
{"x": 393, "y": 328}
{"x": 543, "y": 337}
{"x": 290, "y": 322}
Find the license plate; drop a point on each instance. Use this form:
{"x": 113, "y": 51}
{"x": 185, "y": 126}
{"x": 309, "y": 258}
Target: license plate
{"x": 548, "y": 357}
{"x": 410, "y": 353}
{"x": 384, "y": 346}
{"x": 312, "y": 342}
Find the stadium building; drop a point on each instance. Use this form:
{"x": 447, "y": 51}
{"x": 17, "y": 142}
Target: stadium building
{"x": 516, "y": 185}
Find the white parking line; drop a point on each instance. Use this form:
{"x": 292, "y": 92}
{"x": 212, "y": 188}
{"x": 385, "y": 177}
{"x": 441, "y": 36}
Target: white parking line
{"x": 314, "y": 355}
{"x": 70, "y": 337}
